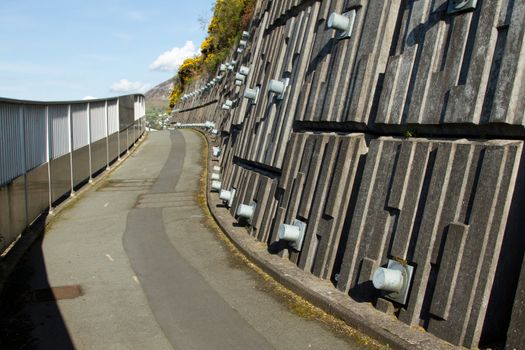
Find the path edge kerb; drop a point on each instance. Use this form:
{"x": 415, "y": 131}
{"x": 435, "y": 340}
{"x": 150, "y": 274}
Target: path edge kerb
{"x": 38, "y": 227}
{"x": 361, "y": 316}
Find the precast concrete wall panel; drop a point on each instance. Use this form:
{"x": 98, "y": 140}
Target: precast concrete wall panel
{"x": 457, "y": 68}
{"x": 242, "y": 185}
{"x": 267, "y": 199}
{"x": 330, "y": 153}
{"x": 516, "y": 336}
{"x": 263, "y": 195}
{"x": 320, "y": 198}
{"x": 275, "y": 122}
{"x": 236, "y": 177}
{"x": 265, "y": 112}
{"x": 256, "y": 64}
{"x": 343, "y": 73}
{"x": 441, "y": 206}
{"x": 226, "y": 162}
{"x": 328, "y": 187}
{"x": 413, "y": 64}
{"x": 301, "y": 38}
{"x": 317, "y": 183}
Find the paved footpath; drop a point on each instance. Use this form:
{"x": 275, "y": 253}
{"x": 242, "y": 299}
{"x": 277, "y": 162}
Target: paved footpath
{"x": 152, "y": 274}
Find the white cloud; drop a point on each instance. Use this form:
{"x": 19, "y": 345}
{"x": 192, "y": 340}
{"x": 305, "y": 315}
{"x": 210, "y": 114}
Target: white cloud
{"x": 125, "y": 86}
{"x": 89, "y": 98}
{"x": 172, "y": 59}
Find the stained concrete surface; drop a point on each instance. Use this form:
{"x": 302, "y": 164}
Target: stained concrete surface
{"x": 153, "y": 274}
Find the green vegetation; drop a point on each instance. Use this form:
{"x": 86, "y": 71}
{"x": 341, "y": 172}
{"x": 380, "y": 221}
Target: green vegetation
{"x": 156, "y": 106}
{"x": 230, "y": 18}
{"x": 156, "y": 116}
{"x": 156, "y": 121}
{"x": 409, "y": 133}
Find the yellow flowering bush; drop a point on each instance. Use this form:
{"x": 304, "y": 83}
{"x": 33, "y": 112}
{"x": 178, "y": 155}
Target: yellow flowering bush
{"x": 230, "y": 18}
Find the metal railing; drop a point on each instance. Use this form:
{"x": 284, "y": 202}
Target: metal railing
{"x": 50, "y": 149}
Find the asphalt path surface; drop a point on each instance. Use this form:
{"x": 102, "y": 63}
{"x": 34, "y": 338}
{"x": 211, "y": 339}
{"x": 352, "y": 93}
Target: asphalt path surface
{"x": 152, "y": 274}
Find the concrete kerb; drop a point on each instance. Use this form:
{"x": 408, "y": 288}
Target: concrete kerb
{"x": 11, "y": 257}
{"x": 361, "y": 316}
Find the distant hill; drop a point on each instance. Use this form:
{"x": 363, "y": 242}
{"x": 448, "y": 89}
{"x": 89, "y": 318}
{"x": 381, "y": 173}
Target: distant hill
{"x": 158, "y": 97}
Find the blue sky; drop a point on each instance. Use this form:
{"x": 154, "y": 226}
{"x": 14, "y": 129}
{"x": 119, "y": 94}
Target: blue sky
{"x": 71, "y": 49}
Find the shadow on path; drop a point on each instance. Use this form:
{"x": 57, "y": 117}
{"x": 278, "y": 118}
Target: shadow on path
{"x": 29, "y": 313}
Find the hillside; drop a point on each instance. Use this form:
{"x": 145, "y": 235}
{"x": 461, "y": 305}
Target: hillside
{"x": 157, "y": 98}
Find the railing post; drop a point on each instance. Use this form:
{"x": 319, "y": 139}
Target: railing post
{"x": 88, "y": 114}
{"x": 48, "y": 160}
{"x": 106, "y": 126}
{"x": 118, "y": 127}
{"x": 24, "y": 155}
{"x": 70, "y": 138}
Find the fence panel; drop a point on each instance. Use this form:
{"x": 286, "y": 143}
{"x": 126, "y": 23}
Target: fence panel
{"x": 58, "y": 130}
{"x": 35, "y": 136}
{"x": 79, "y": 126}
{"x": 11, "y": 143}
{"x": 97, "y": 121}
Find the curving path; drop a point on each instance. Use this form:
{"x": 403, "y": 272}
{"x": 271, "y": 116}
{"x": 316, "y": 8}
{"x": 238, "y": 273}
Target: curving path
{"x": 152, "y": 274}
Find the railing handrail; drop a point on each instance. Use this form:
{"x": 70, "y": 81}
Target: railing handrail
{"x": 33, "y": 102}
{"x": 49, "y": 149}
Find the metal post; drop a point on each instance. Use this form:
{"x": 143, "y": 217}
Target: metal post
{"x": 88, "y": 113}
{"x": 106, "y": 131}
{"x": 70, "y": 131}
{"x": 48, "y": 159}
{"x": 118, "y": 127}
{"x": 24, "y": 155}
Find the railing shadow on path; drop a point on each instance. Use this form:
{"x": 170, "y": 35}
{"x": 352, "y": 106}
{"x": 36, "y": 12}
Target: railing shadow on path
{"x": 30, "y": 317}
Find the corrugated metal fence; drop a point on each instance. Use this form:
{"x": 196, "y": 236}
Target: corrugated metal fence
{"x": 48, "y": 150}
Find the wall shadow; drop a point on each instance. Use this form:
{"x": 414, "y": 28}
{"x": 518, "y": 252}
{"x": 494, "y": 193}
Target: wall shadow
{"x": 29, "y": 314}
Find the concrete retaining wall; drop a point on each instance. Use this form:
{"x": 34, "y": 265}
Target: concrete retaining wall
{"x": 403, "y": 142}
